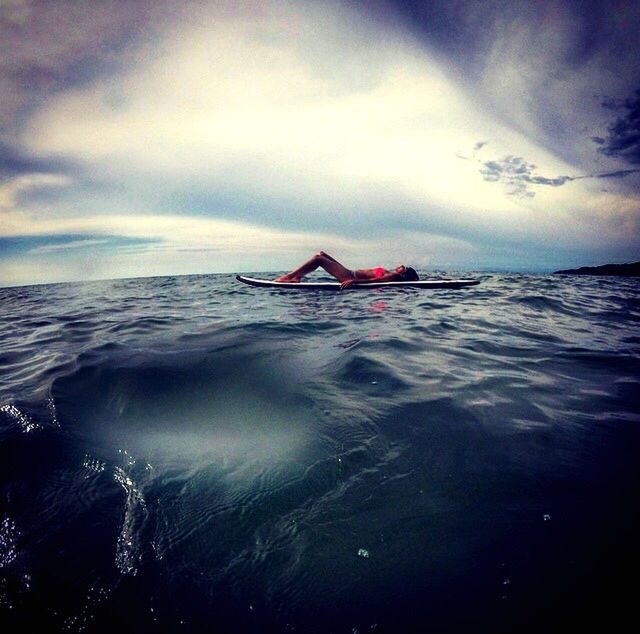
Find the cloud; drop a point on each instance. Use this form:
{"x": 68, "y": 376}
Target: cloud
{"x": 13, "y": 163}
{"x": 333, "y": 119}
{"x": 611, "y": 103}
{"x": 540, "y": 64}
{"x": 623, "y": 141}
{"x": 47, "y": 46}
{"x": 282, "y": 109}
{"x": 163, "y": 232}
{"x": 615, "y": 174}
{"x": 12, "y": 188}
{"x": 64, "y": 246}
{"x": 519, "y": 175}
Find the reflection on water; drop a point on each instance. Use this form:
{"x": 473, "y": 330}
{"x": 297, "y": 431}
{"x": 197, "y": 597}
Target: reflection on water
{"x": 227, "y": 408}
{"x": 225, "y": 448}
{"x": 192, "y": 454}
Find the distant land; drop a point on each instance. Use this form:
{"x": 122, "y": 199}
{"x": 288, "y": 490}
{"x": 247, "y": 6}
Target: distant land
{"x": 632, "y": 269}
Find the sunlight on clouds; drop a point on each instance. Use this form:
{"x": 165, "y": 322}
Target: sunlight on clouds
{"x": 236, "y": 101}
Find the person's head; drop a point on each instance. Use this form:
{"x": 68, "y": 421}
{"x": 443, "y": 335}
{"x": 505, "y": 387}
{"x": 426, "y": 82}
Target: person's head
{"x": 407, "y": 274}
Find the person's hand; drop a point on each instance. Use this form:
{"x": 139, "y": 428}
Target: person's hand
{"x": 346, "y": 284}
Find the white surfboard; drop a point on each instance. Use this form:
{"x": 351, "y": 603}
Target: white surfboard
{"x": 335, "y": 286}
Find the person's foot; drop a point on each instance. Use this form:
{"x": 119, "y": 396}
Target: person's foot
{"x": 288, "y": 278}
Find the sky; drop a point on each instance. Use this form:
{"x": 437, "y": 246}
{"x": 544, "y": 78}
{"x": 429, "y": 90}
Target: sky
{"x": 163, "y": 138}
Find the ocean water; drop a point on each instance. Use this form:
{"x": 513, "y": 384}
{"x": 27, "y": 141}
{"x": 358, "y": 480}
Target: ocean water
{"x": 189, "y": 454}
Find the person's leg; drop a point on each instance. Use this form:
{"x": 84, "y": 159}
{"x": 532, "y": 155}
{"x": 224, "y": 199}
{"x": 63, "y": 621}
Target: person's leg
{"x": 330, "y": 265}
{"x": 310, "y": 265}
{"x": 341, "y": 273}
{"x": 326, "y": 255}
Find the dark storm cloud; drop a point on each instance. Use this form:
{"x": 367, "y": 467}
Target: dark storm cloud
{"x": 458, "y": 29}
{"x": 465, "y": 29}
{"x": 47, "y": 47}
{"x": 623, "y": 141}
{"x": 611, "y": 103}
{"x": 553, "y": 54}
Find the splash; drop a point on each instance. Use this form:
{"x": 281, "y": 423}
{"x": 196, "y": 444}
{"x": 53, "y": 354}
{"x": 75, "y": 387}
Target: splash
{"x": 8, "y": 540}
{"x": 26, "y": 424}
{"x": 128, "y": 552}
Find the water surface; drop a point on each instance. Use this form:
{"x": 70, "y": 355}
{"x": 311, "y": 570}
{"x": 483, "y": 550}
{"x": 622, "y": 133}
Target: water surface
{"x": 192, "y": 454}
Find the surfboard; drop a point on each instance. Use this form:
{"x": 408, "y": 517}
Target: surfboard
{"x": 335, "y": 286}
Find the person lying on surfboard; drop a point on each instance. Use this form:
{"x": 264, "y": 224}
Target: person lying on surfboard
{"x": 345, "y": 276}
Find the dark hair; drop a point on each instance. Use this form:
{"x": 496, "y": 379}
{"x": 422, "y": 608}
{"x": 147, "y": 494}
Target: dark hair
{"x": 410, "y": 275}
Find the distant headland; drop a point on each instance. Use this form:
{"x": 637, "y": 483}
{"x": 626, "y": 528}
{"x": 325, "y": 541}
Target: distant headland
{"x": 632, "y": 269}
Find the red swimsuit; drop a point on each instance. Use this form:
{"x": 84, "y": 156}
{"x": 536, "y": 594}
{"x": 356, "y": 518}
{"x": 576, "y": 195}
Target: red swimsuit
{"x": 378, "y": 271}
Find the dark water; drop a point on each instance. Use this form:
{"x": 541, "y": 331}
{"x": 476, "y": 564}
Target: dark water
{"x": 189, "y": 454}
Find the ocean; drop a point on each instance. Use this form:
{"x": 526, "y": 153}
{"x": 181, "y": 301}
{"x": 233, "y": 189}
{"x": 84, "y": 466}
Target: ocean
{"x": 190, "y": 454}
